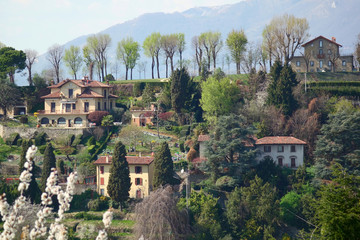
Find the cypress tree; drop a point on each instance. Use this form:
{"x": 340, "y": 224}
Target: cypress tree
{"x": 164, "y": 171}
{"x": 119, "y": 180}
{"x": 48, "y": 163}
{"x": 275, "y": 71}
{"x": 24, "y": 147}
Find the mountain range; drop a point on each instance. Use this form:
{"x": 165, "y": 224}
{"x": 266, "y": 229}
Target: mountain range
{"x": 328, "y": 18}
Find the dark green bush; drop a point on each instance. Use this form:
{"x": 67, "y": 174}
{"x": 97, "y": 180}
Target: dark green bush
{"x": 91, "y": 141}
{"x": 42, "y": 149}
{"x": 12, "y": 139}
{"x": 70, "y": 139}
{"x": 77, "y": 140}
{"x": 40, "y": 139}
{"x": 24, "y": 119}
{"x": 80, "y": 202}
{"x": 98, "y": 205}
{"x": 87, "y": 216}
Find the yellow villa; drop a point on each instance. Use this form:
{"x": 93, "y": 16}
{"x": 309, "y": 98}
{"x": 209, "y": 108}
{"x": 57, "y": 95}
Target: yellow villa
{"x": 141, "y": 175}
{"x": 70, "y": 102}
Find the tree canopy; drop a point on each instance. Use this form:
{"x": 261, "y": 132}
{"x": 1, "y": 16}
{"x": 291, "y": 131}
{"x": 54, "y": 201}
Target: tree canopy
{"x": 73, "y": 60}
{"x": 236, "y": 42}
{"x": 11, "y": 60}
{"x": 128, "y": 53}
{"x": 9, "y": 96}
{"x": 164, "y": 171}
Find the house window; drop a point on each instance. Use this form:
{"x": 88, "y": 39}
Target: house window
{"x": 280, "y": 148}
{"x": 298, "y": 63}
{"x": 102, "y": 182}
{"x": 44, "y": 120}
{"x": 138, "y": 169}
{"x": 329, "y": 51}
{"x": 61, "y": 120}
{"x": 344, "y": 63}
{"x": 320, "y": 43}
{"x": 104, "y": 93}
{"x": 99, "y": 106}
{"x": 52, "y": 107}
{"x": 71, "y": 91}
{"x": 68, "y": 107}
{"x": 321, "y": 64}
{"x": 104, "y": 105}
{"x": 102, "y": 192}
{"x": 138, "y": 181}
{"x": 111, "y": 105}
{"x": 74, "y": 106}
{"x": 102, "y": 169}
{"x": 293, "y": 148}
{"x": 78, "y": 120}
{"x": 320, "y": 51}
{"x": 293, "y": 162}
{"x": 329, "y": 63}
{"x": 280, "y": 161}
{"x": 311, "y": 63}
{"x": 267, "y": 148}
{"x": 86, "y": 106}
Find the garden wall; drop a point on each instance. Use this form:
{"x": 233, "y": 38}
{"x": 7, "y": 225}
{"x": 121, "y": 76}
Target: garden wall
{"x": 50, "y": 132}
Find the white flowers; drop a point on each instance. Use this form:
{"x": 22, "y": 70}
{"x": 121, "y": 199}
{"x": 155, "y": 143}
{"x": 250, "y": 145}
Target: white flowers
{"x": 107, "y": 218}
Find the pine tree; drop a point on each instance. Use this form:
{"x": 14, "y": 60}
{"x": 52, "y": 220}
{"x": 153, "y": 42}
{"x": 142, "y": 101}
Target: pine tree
{"x": 119, "y": 180}
{"x": 24, "y": 147}
{"x": 48, "y": 163}
{"x": 164, "y": 171}
{"x": 179, "y": 84}
{"x": 280, "y": 89}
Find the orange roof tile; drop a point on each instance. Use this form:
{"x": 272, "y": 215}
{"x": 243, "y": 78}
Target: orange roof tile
{"x": 199, "y": 160}
{"x": 88, "y": 93}
{"x": 279, "y": 140}
{"x": 203, "y": 138}
{"x": 132, "y": 160}
{"x": 52, "y": 95}
{"x": 81, "y": 83}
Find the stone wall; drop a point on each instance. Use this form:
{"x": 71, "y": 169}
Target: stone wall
{"x": 52, "y": 132}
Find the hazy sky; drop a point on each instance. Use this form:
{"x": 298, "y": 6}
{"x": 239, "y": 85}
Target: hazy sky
{"x": 38, "y": 24}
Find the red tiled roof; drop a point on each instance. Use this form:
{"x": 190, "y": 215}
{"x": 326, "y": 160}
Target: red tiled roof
{"x": 279, "y": 140}
{"x": 322, "y": 38}
{"x": 132, "y": 160}
{"x": 203, "y": 138}
{"x": 81, "y": 83}
{"x": 88, "y": 93}
{"x": 52, "y": 95}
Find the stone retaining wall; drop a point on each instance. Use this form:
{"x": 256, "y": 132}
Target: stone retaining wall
{"x": 52, "y": 132}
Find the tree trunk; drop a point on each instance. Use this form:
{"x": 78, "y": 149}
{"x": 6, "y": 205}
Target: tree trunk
{"x": 158, "y": 67}
{"x": 166, "y": 63}
{"x": 126, "y": 74}
{"x": 131, "y": 70}
{"x": 30, "y": 77}
{"x": 91, "y": 70}
{"x": 172, "y": 64}
{"x": 152, "y": 68}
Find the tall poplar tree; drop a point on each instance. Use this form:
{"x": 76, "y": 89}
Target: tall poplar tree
{"x": 119, "y": 180}
{"x": 48, "y": 163}
{"x": 164, "y": 168}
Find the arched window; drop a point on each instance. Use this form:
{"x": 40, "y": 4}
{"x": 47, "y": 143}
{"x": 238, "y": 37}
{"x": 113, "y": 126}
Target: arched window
{"x": 78, "y": 120}
{"x": 44, "y": 120}
{"x": 61, "y": 120}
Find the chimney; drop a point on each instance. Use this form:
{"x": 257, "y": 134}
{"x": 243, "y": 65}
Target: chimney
{"x": 107, "y": 158}
{"x": 139, "y": 154}
{"x": 333, "y": 39}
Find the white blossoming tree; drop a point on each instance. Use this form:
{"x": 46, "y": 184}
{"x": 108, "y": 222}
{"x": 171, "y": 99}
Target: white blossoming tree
{"x": 14, "y": 216}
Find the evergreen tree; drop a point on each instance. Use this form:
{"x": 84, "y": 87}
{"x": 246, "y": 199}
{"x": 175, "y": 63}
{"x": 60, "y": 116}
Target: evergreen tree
{"x": 48, "y": 163}
{"x": 280, "y": 89}
{"x": 164, "y": 172}
{"x": 179, "y": 84}
{"x": 24, "y": 147}
{"x": 119, "y": 180}
{"x": 148, "y": 95}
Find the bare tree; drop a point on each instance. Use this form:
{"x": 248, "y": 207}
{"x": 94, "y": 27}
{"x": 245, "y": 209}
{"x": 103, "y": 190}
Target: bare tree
{"x": 55, "y": 55}
{"x": 181, "y": 46}
{"x": 31, "y": 56}
{"x": 357, "y": 52}
{"x": 98, "y": 46}
{"x": 169, "y": 44}
{"x": 306, "y": 55}
{"x": 252, "y": 58}
{"x": 198, "y": 51}
{"x": 157, "y": 217}
{"x": 333, "y": 56}
{"x": 89, "y": 61}
{"x": 284, "y": 35}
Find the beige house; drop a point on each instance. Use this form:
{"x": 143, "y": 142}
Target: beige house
{"x": 19, "y": 109}
{"x": 70, "y": 102}
{"x": 142, "y": 117}
{"x": 284, "y": 150}
{"x": 141, "y": 175}
{"x": 322, "y": 54}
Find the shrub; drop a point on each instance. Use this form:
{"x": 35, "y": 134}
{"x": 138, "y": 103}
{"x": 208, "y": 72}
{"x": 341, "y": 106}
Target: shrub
{"x": 77, "y": 140}
{"x": 181, "y": 146}
{"x": 40, "y": 139}
{"x": 24, "y": 119}
{"x": 97, "y": 116}
{"x": 42, "y": 149}
{"x": 138, "y": 89}
{"x": 87, "y": 216}
{"x": 12, "y": 139}
{"x": 70, "y": 139}
{"x": 98, "y": 204}
{"x": 91, "y": 141}
{"x": 165, "y": 116}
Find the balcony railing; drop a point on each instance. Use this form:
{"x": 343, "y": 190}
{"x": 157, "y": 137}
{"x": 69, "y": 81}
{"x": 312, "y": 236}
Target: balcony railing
{"x": 321, "y": 56}
{"x": 63, "y": 112}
